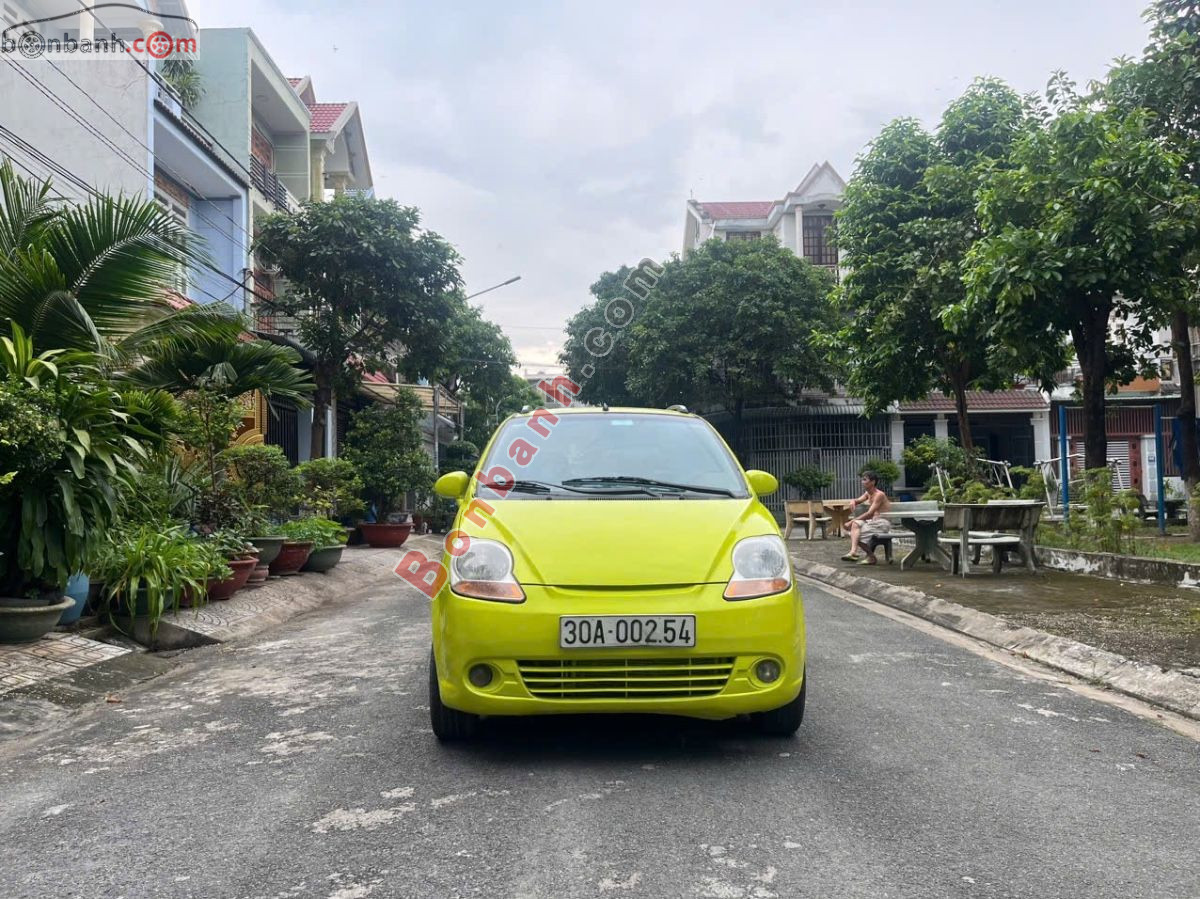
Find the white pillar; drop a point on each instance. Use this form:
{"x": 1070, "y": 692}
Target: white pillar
{"x": 799, "y": 232}
{"x": 1043, "y": 448}
{"x": 897, "y": 441}
{"x": 330, "y": 430}
{"x": 941, "y": 428}
{"x": 87, "y": 25}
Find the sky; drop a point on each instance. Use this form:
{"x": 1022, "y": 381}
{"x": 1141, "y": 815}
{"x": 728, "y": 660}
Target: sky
{"x": 556, "y": 141}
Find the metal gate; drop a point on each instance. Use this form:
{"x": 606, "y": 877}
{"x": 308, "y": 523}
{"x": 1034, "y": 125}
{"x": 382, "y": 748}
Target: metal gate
{"x": 783, "y": 439}
{"x": 282, "y": 428}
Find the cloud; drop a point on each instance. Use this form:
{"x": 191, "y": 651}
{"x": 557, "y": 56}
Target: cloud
{"x": 556, "y": 141}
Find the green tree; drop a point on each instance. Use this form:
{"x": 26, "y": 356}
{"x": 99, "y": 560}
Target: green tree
{"x": 1083, "y": 241}
{"x": 225, "y": 364}
{"x": 482, "y": 412}
{"x": 479, "y": 356}
{"x": 737, "y": 322}
{"x": 1166, "y": 81}
{"x": 385, "y": 445}
{"x": 595, "y": 345}
{"x": 369, "y": 288}
{"x": 908, "y": 221}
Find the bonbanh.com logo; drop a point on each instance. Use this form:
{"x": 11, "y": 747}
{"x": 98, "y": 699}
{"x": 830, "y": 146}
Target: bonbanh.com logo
{"x": 63, "y": 36}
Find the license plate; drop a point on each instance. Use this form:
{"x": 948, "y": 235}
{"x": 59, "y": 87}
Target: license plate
{"x": 589, "y": 631}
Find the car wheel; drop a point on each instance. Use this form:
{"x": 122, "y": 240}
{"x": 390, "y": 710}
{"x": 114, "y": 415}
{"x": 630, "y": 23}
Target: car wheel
{"x": 785, "y": 720}
{"x": 448, "y": 724}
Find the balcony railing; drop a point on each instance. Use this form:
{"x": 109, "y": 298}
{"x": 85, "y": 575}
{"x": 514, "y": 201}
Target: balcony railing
{"x": 271, "y": 187}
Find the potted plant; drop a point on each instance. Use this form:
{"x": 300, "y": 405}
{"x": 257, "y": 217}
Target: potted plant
{"x": 331, "y": 488}
{"x": 385, "y": 445}
{"x": 268, "y": 486}
{"x": 297, "y": 545}
{"x": 329, "y": 539}
{"x": 150, "y": 569}
{"x": 887, "y": 471}
{"x": 808, "y": 481}
{"x": 233, "y": 560}
{"x": 69, "y": 444}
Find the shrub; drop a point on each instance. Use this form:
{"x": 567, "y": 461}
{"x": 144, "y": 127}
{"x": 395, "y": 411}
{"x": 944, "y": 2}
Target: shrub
{"x": 331, "y": 487}
{"x": 887, "y": 470}
{"x": 461, "y": 455}
{"x": 385, "y": 445}
{"x": 1110, "y": 519}
{"x": 263, "y": 479}
{"x": 319, "y": 531}
{"x": 808, "y": 480}
{"x": 924, "y": 452}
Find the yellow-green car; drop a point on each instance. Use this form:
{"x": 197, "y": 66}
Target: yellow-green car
{"x": 614, "y": 560}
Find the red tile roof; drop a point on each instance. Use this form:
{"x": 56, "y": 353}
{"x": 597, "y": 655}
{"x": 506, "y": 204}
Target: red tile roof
{"x": 324, "y": 115}
{"x": 376, "y": 377}
{"x": 738, "y": 210}
{"x": 982, "y": 401}
{"x": 294, "y": 81}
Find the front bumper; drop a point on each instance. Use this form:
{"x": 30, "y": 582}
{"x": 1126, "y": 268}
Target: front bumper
{"x": 532, "y": 675}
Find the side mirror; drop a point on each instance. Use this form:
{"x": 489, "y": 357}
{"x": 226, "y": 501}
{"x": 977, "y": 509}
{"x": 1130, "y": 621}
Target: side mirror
{"x": 763, "y": 483}
{"x": 452, "y": 485}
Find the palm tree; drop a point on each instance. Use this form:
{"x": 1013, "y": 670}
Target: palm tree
{"x": 225, "y": 365}
{"x": 94, "y": 276}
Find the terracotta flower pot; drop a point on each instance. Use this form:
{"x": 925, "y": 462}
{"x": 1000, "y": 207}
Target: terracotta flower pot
{"x": 258, "y": 576}
{"x": 292, "y": 557}
{"x": 323, "y": 558}
{"x": 386, "y": 536}
{"x": 219, "y": 590}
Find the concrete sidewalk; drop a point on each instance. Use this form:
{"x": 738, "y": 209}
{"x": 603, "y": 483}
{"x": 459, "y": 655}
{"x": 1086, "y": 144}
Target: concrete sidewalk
{"x": 998, "y": 609}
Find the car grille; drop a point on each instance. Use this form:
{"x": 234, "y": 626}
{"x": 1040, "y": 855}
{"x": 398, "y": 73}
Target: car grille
{"x": 625, "y": 678}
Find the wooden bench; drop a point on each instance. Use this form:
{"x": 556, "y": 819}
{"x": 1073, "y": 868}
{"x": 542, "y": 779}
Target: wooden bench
{"x": 807, "y": 512}
{"x": 1003, "y": 525}
{"x": 872, "y": 541}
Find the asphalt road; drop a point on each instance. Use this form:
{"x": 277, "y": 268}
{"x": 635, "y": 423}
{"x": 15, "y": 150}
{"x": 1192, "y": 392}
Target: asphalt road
{"x": 301, "y": 764}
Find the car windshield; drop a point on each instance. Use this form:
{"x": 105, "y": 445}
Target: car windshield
{"x": 617, "y": 454}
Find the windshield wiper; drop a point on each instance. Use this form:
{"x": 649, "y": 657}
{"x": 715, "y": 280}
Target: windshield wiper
{"x": 648, "y": 482}
{"x": 525, "y": 485}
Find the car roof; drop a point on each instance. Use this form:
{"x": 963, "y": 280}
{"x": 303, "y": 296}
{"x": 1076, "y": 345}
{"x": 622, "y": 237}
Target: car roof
{"x": 599, "y": 410}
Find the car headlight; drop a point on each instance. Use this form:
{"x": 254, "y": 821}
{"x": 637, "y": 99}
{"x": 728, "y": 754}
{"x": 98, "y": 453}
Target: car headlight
{"x": 760, "y": 567}
{"x": 485, "y": 571}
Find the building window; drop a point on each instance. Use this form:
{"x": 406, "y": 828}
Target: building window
{"x": 743, "y": 235}
{"x": 172, "y": 197}
{"x": 818, "y": 228}
{"x": 262, "y": 149}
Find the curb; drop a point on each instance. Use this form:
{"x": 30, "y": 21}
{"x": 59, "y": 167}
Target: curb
{"x": 1163, "y": 687}
{"x": 252, "y": 611}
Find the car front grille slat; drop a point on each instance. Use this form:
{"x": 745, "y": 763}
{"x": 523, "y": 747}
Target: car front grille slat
{"x": 625, "y": 678}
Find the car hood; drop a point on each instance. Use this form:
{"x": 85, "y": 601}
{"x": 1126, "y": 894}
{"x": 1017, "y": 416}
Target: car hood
{"x": 613, "y": 543}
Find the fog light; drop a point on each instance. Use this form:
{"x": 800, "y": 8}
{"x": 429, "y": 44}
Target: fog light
{"x": 767, "y": 671}
{"x": 480, "y": 675}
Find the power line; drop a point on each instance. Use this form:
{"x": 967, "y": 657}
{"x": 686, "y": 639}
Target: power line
{"x": 137, "y": 167}
{"x": 38, "y": 155}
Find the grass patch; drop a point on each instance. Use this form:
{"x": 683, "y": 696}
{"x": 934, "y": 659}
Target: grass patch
{"x": 1147, "y": 546}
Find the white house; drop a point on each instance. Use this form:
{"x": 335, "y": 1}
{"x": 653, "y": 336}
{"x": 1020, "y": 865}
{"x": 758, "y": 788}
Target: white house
{"x": 800, "y": 221}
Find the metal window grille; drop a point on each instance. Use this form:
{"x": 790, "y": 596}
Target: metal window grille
{"x": 282, "y": 429}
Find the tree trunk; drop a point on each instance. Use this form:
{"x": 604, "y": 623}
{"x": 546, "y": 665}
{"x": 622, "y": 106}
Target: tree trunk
{"x": 959, "y": 386}
{"x": 1091, "y": 348}
{"x": 1181, "y": 344}
{"x": 322, "y": 397}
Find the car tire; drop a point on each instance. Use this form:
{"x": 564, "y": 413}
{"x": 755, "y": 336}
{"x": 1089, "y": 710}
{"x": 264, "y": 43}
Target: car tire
{"x": 785, "y": 720}
{"x": 449, "y": 725}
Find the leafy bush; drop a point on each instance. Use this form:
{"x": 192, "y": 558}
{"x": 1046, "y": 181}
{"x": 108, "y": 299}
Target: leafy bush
{"x": 1031, "y": 483}
{"x": 1109, "y": 519}
{"x": 71, "y": 446}
{"x": 331, "y": 487}
{"x": 263, "y": 479}
{"x": 924, "y": 452}
{"x": 148, "y": 568}
{"x": 887, "y": 470}
{"x": 808, "y": 480}
{"x": 461, "y": 455}
{"x": 319, "y": 531}
{"x": 385, "y": 445}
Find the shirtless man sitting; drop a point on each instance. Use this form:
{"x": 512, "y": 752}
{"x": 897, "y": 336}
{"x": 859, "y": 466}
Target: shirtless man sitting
{"x": 870, "y": 523}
